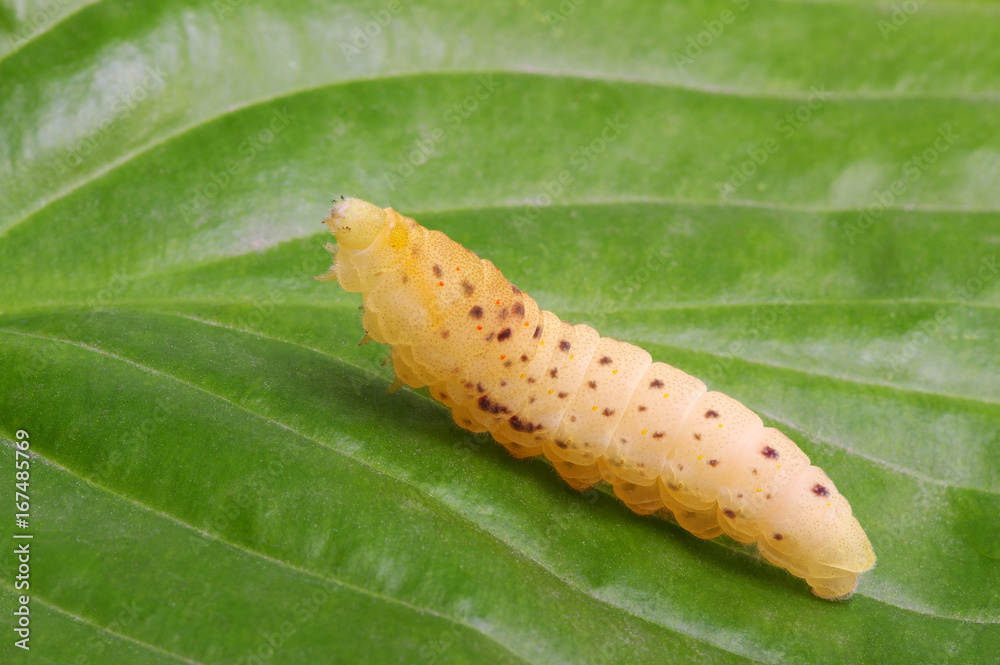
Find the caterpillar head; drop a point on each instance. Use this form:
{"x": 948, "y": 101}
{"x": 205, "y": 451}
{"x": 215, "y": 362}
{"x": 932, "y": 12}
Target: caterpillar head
{"x": 356, "y": 223}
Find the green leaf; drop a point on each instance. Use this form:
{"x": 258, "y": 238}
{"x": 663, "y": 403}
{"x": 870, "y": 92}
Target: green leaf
{"x": 794, "y": 201}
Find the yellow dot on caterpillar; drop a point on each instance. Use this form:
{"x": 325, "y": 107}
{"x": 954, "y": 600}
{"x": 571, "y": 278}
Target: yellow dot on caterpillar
{"x": 644, "y": 431}
{"x": 700, "y": 456}
{"x": 540, "y": 343}
{"x": 720, "y": 424}
{"x": 665, "y": 395}
{"x": 779, "y": 466}
{"x": 758, "y": 489}
{"x": 551, "y": 390}
{"x": 523, "y": 375}
{"x": 829, "y": 504}
{"x": 572, "y": 356}
{"x": 614, "y": 371}
{"x": 593, "y": 408}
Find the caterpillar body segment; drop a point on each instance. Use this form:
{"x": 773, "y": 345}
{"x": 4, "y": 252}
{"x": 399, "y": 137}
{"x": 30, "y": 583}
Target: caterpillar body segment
{"x": 597, "y": 408}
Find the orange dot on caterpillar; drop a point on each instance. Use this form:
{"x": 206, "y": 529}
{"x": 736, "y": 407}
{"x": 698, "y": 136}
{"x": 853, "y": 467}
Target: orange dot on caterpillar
{"x": 588, "y": 403}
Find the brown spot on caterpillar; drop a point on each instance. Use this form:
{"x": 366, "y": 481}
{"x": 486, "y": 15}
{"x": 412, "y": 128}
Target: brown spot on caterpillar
{"x": 740, "y": 495}
{"x": 468, "y": 288}
{"x": 572, "y": 419}
{"x": 656, "y": 383}
{"x": 518, "y": 426}
{"x": 711, "y": 414}
{"x": 503, "y": 383}
{"x": 605, "y": 360}
{"x": 563, "y": 395}
{"x": 778, "y": 536}
{"x": 508, "y": 363}
{"x": 680, "y": 467}
{"x": 564, "y": 345}
{"x": 405, "y": 278}
{"x": 553, "y": 372}
{"x": 538, "y": 332}
{"x": 819, "y": 490}
{"x": 641, "y": 408}
{"x": 490, "y": 336}
{"x": 767, "y": 496}
{"x": 524, "y": 358}
{"x": 531, "y": 400}
{"x": 503, "y": 313}
{"x": 769, "y": 452}
{"x": 437, "y": 270}
{"x": 517, "y": 309}
{"x": 658, "y": 435}
{"x": 444, "y": 334}
{"x": 729, "y": 513}
{"x": 562, "y": 444}
{"x": 607, "y": 412}
{"x": 504, "y": 334}
{"x": 514, "y": 289}
{"x": 491, "y": 407}
{"x": 531, "y": 379}
{"x": 480, "y": 388}
{"x": 697, "y": 436}
{"x": 476, "y": 312}
{"x": 592, "y": 384}
{"x": 713, "y": 462}
{"x": 753, "y": 471}
{"x": 468, "y": 385}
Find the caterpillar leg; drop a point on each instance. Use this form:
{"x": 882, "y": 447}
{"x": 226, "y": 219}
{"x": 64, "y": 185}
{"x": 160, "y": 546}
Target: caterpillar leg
{"x": 514, "y": 448}
{"x": 331, "y": 274}
{"x": 703, "y": 523}
{"x": 642, "y": 499}
{"x": 579, "y": 476}
{"x": 463, "y": 419}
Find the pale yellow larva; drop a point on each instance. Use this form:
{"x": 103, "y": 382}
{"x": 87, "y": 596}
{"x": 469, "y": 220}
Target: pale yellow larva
{"x": 595, "y": 407}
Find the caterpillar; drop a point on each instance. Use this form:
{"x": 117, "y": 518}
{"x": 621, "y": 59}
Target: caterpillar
{"x": 595, "y": 407}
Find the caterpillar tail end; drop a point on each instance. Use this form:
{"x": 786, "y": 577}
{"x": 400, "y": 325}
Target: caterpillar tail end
{"x": 840, "y": 589}
{"x": 396, "y": 385}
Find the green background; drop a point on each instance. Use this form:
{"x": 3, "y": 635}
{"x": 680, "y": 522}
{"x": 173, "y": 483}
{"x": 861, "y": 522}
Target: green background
{"x": 217, "y": 474}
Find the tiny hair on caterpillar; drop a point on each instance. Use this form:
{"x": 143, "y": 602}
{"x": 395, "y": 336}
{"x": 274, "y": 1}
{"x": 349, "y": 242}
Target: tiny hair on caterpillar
{"x": 596, "y": 408}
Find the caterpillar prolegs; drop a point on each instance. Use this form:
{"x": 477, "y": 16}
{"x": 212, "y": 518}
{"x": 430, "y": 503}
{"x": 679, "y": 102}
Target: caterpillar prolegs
{"x": 595, "y": 407}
